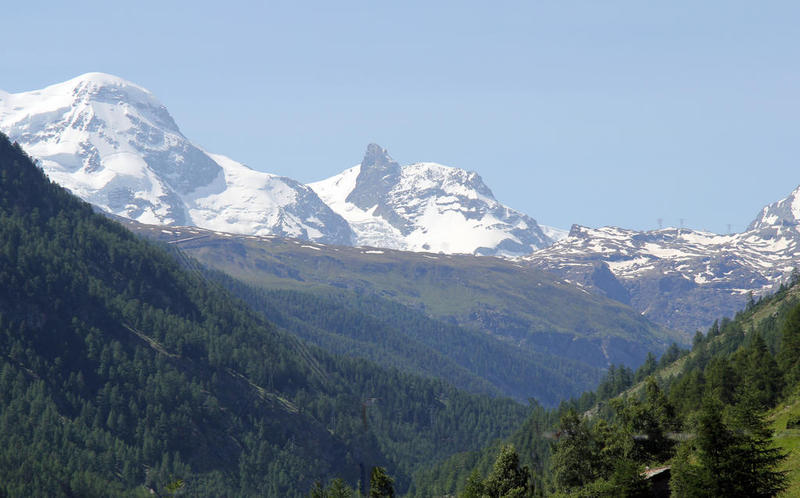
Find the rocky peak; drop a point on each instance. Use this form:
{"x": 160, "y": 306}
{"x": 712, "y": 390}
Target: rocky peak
{"x": 784, "y": 213}
{"x": 378, "y": 174}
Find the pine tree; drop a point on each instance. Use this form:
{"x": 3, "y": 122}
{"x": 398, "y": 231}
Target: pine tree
{"x": 789, "y": 354}
{"x": 507, "y": 478}
{"x": 760, "y": 373}
{"x": 474, "y": 486}
{"x": 339, "y": 489}
{"x": 380, "y": 484}
{"x": 756, "y": 454}
{"x": 575, "y": 459}
{"x": 723, "y": 460}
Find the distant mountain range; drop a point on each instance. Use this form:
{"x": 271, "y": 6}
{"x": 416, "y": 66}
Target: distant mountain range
{"x": 681, "y": 278}
{"x": 115, "y": 145}
{"x": 112, "y": 143}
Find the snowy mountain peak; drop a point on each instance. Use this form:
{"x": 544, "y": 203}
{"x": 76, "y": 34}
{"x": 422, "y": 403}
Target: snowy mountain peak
{"x": 427, "y": 207}
{"x": 114, "y": 144}
{"x": 784, "y": 213}
{"x": 96, "y": 82}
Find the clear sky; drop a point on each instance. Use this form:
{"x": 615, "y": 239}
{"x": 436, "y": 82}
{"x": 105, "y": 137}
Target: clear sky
{"x": 592, "y": 112}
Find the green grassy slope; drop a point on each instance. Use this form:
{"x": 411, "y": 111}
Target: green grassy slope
{"x": 789, "y": 440}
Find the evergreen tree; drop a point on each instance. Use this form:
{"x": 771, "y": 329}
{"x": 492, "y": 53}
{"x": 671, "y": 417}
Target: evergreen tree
{"x": 507, "y": 478}
{"x": 317, "y": 491}
{"x": 339, "y": 489}
{"x": 756, "y": 454}
{"x": 789, "y": 354}
{"x": 380, "y": 484}
{"x": 575, "y": 459}
{"x": 474, "y": 487}
{"x": 760, "y": 373}
{"x": 724, "y": 460}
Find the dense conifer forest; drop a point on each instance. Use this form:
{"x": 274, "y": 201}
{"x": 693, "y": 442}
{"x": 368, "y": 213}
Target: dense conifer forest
{"x": 123, "y": 373}
{"x": 368, "y": 326}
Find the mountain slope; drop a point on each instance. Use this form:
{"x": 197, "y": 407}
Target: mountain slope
{"x": 113, "y": 144}
{"x": 681, "y": 278}
{"x": 119, "y": 371}
{"x": 738, "y": 363}
{"x": 504, "y": 318}
{"x": 427, "y": 207}
{"x": 372, "y": 327}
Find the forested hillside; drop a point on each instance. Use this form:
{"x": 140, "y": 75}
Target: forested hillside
{"x": 708, "y": 416}
{"x": 523, "y": 331}
{"x": 368, "y": 326}
{"x": 120, "y": 371}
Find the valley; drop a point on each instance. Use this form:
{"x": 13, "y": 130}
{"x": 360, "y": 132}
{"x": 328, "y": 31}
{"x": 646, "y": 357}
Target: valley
{"x": 175, "y": 321}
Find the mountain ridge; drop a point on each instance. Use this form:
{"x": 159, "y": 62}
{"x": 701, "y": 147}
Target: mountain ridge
{"x": 681, "y": 278}
{"x": 427, "y": 207}
{"x": 112, "y": 143}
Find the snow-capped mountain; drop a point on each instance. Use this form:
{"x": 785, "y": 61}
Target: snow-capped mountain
{"x": 682, "y": 278}
{"x": 114, "y": 144}
{"x": 784, "y": 213}
{"x": 427, "y": 207}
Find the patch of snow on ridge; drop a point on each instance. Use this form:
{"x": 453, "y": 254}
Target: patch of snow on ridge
{"x": 682, "y": 278}
{"x": 555, "y": 234}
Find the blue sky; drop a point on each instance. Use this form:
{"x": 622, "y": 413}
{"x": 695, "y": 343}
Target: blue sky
{"x": 597, "y": 113}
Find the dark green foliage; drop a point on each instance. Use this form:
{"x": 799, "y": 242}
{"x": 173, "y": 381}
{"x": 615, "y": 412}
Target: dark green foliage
{"x": 703, "y": 417}
{"x": 759, "y": 372}
{"x": 672, "y": 353}
{"x": 533, "y": 441}
{"x": 647, "y": 368}
{"x": 120, "y": 371}
{"x": 789, "y": 355}
{"x": 380, "y": 484}
{"x": 339, "y": 489}
{"x": 617, "y": 380}
{"x": 647, "y": 424}
{"x": 507, "y": 478}
{"x": 474, "y": 487}
{"x": 336, "y": 489}
{"x": 575, "y": 461}
{"x": 733, "y": 459}
{"x": 599, "y": 460}
{"x": 375, "y": 328}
